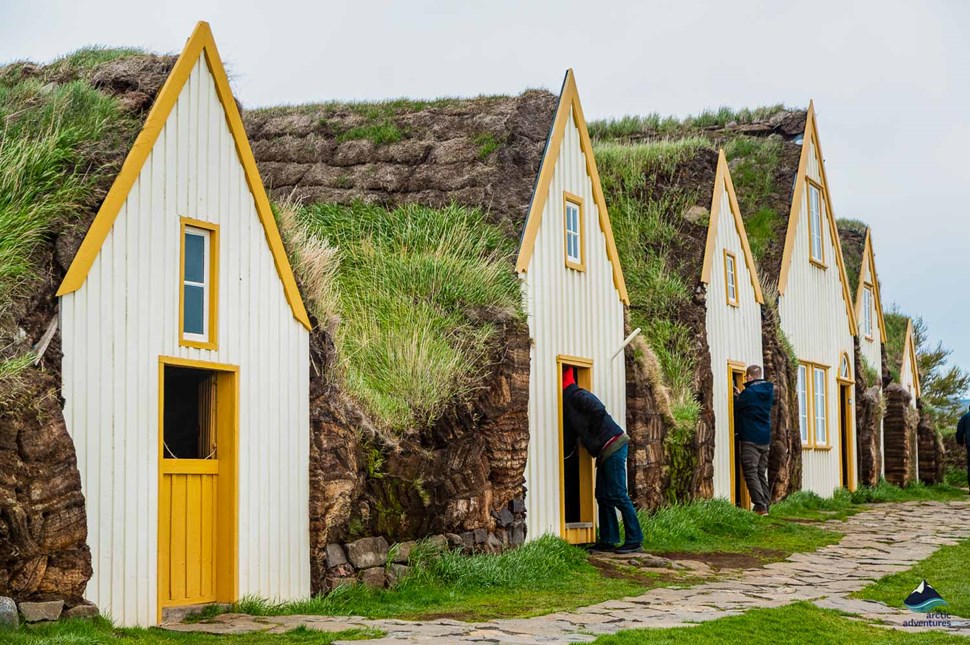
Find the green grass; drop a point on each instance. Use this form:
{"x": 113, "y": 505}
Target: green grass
{"x": 487, "y": 144}
{"x": 544, "y": 576}
{"x": 656, "y": 125}
{"x": 895, "y": 341}
{"x": 100, "y": 630}
{"x": 946, "y": 570}
{"x": 754, "y": 162}
{"x": 956, "y": 477}
{"x": 810, "y": 506}
{"x": 417, "y": 290}
{"x": 380, "y": 133}
{"x": 852, "y": 252}
{"x": 719, "y": 526}
{"x": 798, "y": 623}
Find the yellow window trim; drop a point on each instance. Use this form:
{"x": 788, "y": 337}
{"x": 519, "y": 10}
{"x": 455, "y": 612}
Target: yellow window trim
{"x": 575, "y": 200}
{"x": 736, "y": 302}
{"x": 200, "y": 43}
{"x": 213, "y": 341}
{"x": 811, "y": 137}
{"x": 723, "y": 182}
{"x": 569, "y": 102}
{"x": 848, "y": 380}
{"x": 820, "y": 261}
{"x": 810, "y": 401}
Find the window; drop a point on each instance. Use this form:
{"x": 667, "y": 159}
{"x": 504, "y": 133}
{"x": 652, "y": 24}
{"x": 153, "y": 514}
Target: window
{"x": 821, "y": 415}
{"x": 575, "y": 245}
{"x": 867, "y": 311}
{"x": 731, "y": 277}
{"x": 803, "y": 404}
{"x": 198, "y": 284}
{"x": 844, "y": 373}
{"x": 813, "y": 396}
{"x": 815, "y": 205}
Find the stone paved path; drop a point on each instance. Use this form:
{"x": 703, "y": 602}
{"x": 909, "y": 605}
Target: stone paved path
{"x": 886, "y": 539}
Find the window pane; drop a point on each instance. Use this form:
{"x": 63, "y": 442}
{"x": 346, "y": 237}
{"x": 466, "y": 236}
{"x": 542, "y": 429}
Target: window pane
{"x": 193, "y": 310}
{"x": 820, "y": 427}
{"x": 815, "y": 220}
{"x": 194, "y": 257}
{"x": 802, "y": 404}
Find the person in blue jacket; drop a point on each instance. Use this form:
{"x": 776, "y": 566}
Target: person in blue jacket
{"x": 585, "y": 419}
{"x": 963, "y": 436}
{"x": 752, "y": 428}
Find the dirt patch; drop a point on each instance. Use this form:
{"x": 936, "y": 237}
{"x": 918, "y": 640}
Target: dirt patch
{"x": 609, "y": 569}
{"x": 717, "y": 560}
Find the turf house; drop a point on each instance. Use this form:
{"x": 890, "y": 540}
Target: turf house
{"x": 176, "y": 338}
{"x": 860, "y": 268}
{"x": 685, "y": 215}
{"x": 428, "y": 236}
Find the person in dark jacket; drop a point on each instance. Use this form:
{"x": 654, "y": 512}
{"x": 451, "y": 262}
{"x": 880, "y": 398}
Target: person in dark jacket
{"x": 752, "y": 428}
{"x": 585, "y": 419}
{"x": 963, "y": 436}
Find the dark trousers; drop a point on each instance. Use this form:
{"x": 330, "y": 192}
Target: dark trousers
{"x": 754, "y": 464}
{"x": 968, "y": 464}
{"x": 612, "y": 496}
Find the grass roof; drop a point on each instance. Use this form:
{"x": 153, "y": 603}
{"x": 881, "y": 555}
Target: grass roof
{"x": 66, "y": 127}
{"x": 896, "y": 324}
{"x": 852, "y": 235}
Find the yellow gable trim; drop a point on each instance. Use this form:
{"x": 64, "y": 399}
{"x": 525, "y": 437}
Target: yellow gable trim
{"x": 869, "y": 259}
{"x": 811, "y": 136}
{"x": 722, "y": 179}
{"x": 569, "y": 100}
{"x": 199, "y": 43}
{"x": 909, "y": 351}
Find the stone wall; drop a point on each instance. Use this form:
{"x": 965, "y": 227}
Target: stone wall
{"x": 647, "y": 420}
{"x": 785, "y": 454}
{"x": 869, "y": 413}
{"x": 932, "y": 453}
{"x": 899, "y": 432}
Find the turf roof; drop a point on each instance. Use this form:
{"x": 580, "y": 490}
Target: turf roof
{"x": 852, "y": 235}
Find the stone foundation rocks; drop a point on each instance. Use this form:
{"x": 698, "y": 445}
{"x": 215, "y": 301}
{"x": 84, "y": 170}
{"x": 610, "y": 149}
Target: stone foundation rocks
{"x": 647, "y": 420}
{"x": 371, "y": 561}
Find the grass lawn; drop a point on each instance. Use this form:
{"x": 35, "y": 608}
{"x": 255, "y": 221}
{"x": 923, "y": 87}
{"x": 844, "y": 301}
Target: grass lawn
{"x": 100, "y": 630}
{"x": 806, "y": 505}
{"x": 946, "y": 570}
{"x": 719, "y": 526}
{"x": 797, "y": 623}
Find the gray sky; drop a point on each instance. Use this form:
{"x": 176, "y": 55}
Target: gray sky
{"x": 890, "y": 81}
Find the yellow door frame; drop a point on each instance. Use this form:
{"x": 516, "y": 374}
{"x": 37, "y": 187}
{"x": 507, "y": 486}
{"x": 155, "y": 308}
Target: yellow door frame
{"x": 586, "y": 533}
{"x": 845, "y": 416}
{"x": 735, "y": 368}
{"x": 226, "y": 551}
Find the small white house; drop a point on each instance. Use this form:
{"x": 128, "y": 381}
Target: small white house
{"x": 186, "y": 367}
{"x": 871, "y": 323}
{"x": 818, "y": 317}
{"x": 574, "y": 298}
{"x": 909, "y": 366}
{"x": 733, "y": 322}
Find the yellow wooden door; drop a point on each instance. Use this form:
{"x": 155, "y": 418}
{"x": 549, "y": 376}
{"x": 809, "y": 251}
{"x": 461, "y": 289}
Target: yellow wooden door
{"x": 581, "y": 530}
{"x": 197, "y": 545}
{"x": 739, "y": 489}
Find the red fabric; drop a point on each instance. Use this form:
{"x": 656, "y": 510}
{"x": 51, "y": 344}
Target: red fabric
{"x": 568, "y": 377}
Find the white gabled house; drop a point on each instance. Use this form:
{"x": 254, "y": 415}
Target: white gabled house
{"x": 733, "y": 323}
{"x": 186, "y": 367}
{"x": 818, "y": 317}
{"x": 574, "y": 299}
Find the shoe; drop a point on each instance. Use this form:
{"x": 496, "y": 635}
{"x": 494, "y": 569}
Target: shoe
{"x": 601, "y": 547}
{"x": 629, "y": 548}
{"x": 761, "y": 511}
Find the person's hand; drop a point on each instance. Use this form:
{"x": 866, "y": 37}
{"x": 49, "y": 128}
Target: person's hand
{"x": 736, "y": 390}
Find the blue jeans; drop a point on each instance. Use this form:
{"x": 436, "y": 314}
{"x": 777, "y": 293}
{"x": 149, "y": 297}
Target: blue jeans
{"x": 611, "y": 495}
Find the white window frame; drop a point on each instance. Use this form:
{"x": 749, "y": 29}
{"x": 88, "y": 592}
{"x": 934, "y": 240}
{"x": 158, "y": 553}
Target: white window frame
{"x": 209, "y": 232}
{"x": 803, "y": 424}
{"x": 731, "y": 279}
{"x": 816, "y": 236}
{"x": 205, "y": 284}
{"x": 574, "y": 246}
{"x": 867, "y": 300}
{"x": 820, "y": 399}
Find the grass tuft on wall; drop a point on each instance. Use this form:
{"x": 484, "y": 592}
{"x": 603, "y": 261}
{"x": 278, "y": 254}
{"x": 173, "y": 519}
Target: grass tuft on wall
{"x": 417, "y": 292}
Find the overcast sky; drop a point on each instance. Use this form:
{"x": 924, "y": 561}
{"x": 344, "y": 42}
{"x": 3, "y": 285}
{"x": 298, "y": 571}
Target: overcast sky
{"x": 890, "y": 79}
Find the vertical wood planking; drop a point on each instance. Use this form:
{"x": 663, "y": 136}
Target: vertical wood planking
{"x": 125, "y": 316}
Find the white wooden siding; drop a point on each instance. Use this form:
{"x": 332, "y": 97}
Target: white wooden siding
{"x": 814, "y": 318}
{"x": 569, "y": 312}
{"x": 125, "y": 316}
{"x": 907, "y": 378}
{"x": 871, "y": 348}
{"x": 733, "y": 334}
